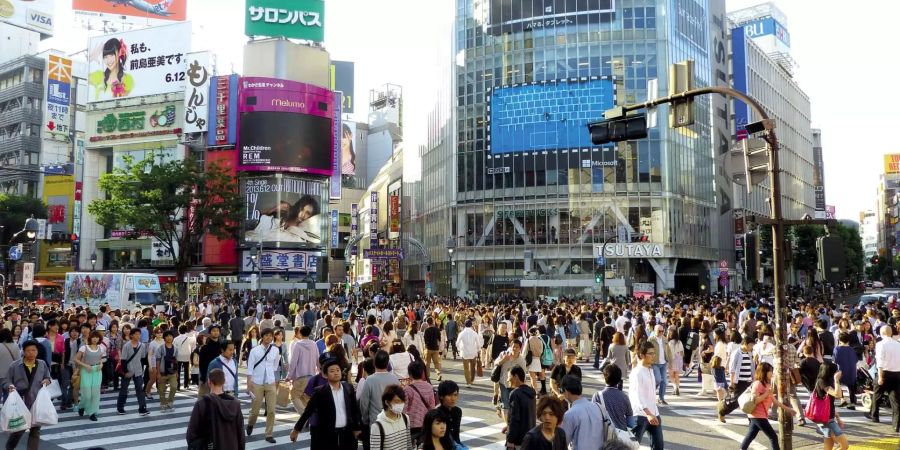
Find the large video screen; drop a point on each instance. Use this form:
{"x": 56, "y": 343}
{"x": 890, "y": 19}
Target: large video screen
{"x": 289, "y": 141}
{"x": 509, "y": 16}
{"x": 284, "y": 210}
{"x": 549, "y": 115}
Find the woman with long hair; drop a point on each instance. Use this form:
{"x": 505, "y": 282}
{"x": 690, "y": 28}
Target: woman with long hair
{"x": 828, "y": 386}
{"x": 291, "y": 225}
{"x": 251, "y": 340}
{"x": 434, "y": 431}
{"x": 764, "y": 395}
{"x": 812, "y": 339}
{"x": 348, "y": 155}
{"x": 90, "y": 358}
{"x": 677, "y": 356}
{"x": 617, "y": 354}
{"x": 111, "y": 81}
{"x": 719, "y": 362}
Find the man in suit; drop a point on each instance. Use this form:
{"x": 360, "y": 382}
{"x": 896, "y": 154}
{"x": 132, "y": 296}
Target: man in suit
{"x": 333, "y": 428}
{"x": 857, "y": 342}
{"x": 27, "y": 376}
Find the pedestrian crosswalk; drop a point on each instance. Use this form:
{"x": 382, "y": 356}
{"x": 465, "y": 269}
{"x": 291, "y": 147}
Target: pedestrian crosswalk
{"x": 166, "y": 430}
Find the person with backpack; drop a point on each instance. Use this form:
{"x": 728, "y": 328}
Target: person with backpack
{"x": 216, "y": 420}
{"x": 331, "y": 427}
{"x": 390, "y": 431}
{"x": 166, "y": 363}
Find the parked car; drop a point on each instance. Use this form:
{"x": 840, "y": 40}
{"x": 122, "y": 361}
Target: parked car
{"x": 868, "y": 285}
{"x": 877, "y": 285}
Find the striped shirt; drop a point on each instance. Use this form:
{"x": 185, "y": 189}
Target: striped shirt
{"x": 395, "y": 432}
{"x": 746, "y": 371}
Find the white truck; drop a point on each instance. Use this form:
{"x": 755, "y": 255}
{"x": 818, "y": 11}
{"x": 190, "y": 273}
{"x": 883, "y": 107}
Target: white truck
{"x": 124, "y": 291}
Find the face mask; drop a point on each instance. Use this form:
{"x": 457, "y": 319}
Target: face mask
{"x": 397, "y": 408}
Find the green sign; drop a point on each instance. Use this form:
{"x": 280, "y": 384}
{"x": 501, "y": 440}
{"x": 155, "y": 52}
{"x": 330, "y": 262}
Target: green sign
{"x": 296, "y": 19}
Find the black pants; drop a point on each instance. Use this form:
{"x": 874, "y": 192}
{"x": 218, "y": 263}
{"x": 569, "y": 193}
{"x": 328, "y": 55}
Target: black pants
{"x": 891, "y": 388}
{"x": 338, "y": 439}
{"x": 731, "y": 403}
{"x": 237, "y": 348}
{"x": 34, "y": 439}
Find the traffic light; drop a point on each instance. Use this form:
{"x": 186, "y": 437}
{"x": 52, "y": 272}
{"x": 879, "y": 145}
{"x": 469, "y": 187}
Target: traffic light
{"x": 681, "y": 79}
{"x": 598, "y": 275}
{"x": 620, "y": 128}
{"x": 875, "y": 260}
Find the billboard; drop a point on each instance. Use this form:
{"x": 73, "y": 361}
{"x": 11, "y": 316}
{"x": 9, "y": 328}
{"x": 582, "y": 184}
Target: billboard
{"x": 892, "y": 163}
{"x": 510, "y": 16}
{"x": 546, "y": 115}
{"x": 149, "y": 9}
{"x": 196, "y": 93}
{"x": 373, "y": 220}
{"x": 56, "y": 114}
{"x": 223, "y": 111}
{"x": 284, "y": 210}
{"x": 58, "y": 194}
{"x": 739, "y": 81}
{"x": 767, "y": 26}
{"x": 34, "y": 15}
{"x": 137, "y": 63}
{"x": 354, "y": 225}
{"x": 295, "y": 19}
{"x": 394, "y": 212}
{"x": 348, "y": 148}
{"x": 336, "y": 152}
{"x": 819, "y": 178}
{"x": 136, "y": 124}
{"x": 285, "y": 126}
{"x": 342, "y": 80}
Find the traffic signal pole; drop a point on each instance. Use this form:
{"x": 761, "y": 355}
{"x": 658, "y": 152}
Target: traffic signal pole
{"x": 782, "y": 373}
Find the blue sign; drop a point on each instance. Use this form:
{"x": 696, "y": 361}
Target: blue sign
{"x": 334, "y": 228}
{"x": 547, "y": 115}
{"x": 15, "y": 253}
{"x": 739, "y": 80}
{"x": 767, "y": 27}
{"x": 336, "y": 149}
{"x": 601, "y": 261}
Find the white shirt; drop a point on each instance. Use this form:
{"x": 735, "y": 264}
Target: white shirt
{"x": 887, "y": 355}
{"x": 340, "y": 408}
{"x": 642, "y": 391}
{"x": 662, "y": 350}
{"x": 264, "y": 373}
{"x": 229, "y": 378}
{"x": 469, "y": 343}
{"x": 620, "y": 323}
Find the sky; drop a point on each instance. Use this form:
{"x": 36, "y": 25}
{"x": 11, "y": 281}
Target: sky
{"x": 840, "y": 67}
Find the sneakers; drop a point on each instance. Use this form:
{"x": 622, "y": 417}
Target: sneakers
{"x": 663, "y": 402}
{"x": 121, "y": 412}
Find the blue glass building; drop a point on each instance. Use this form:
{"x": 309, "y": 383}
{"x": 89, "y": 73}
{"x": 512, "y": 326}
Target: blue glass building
{"x": 536, "y": 202}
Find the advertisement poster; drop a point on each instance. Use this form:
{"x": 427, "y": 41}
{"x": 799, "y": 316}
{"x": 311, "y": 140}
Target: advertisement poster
{"x": 93, "y": 289}
{"x": 342, "y": 80}
{"x": 285, "y": 126}
{"x": 58, "y": 195}
{"x": 150, "y": 9}
{"x": 509, "y": 16}
{"x": 131, "y": 125}
{"x": 223, "y": 111}
{"x": 348, "y": 148}
{"x": 196, "y": 93}
{"x": 284, "y": 210}
{"x": 34, "y": 15}
{"x": 295, "y": 19}
{"x": 395, "y": 213}
{"x": 335, "y": 236}
{"x": 138, "y": 63}
{"x": 643, "y": 290}
{"x": 336, "y": 145}
{"x": 59, "y": 83}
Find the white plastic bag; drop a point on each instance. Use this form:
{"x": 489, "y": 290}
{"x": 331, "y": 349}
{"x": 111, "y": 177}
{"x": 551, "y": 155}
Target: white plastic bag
{"x": 54, "y": 388}
{"x": 42, "y": 411}
{"x": 14, "y": 416}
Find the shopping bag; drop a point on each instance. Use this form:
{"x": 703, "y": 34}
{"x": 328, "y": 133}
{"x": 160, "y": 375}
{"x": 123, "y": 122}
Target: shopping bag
{"x": 747, "y": 401}
{"x": 283, "y": 398}
{"x": 42, "y": 411}
{"x": 15, "y": 416}
{"x": 55, "y": 390}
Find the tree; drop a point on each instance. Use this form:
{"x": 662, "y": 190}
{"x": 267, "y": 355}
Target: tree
{"x": 14, "y": 210}
{"x": 806, "y": 257}
{"x": 174, "y": 202}
{"x": 853, "y": 251}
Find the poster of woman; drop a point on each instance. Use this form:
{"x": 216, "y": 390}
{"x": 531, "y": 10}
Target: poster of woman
{"x": 288, "y": 211}
{"x": 111, "y": 81}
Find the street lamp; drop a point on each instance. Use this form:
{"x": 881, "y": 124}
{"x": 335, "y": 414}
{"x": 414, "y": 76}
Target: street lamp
{"x": 93, "y": 261}
{"x": 31, "y": 227}
{"x": 451, "y": 246}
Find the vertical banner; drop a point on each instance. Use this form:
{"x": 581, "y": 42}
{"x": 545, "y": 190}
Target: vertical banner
{"x": 373, "y": 220}
{"x": 59, "y": 82}
{"x": 27, "y": 276}
{"x": 196, "y": 93}
{"x": 336, "y": 149}
{"x": 354, "y": 225}
{"x": 223, "y": 111}
{"x": 395, "y": 213}
{"x": 334, "y": 229}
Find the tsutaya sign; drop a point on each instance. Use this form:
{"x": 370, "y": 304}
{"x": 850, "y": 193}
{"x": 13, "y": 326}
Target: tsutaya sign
{"x": 636, "y": 250}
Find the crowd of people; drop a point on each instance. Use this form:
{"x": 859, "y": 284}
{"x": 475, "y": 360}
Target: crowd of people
{"x": 369, "y": 371}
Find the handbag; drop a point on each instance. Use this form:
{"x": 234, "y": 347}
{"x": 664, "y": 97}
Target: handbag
{"x": 747, "y": 400}
{"x": 706, "y": 368}
{"x": 495, "y": 373}
{"x": 613, "y": 433}
{"x": 818, "y": 410}
{"x": 122, "y": 369}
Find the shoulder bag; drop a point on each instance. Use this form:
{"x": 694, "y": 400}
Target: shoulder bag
{"x": 122, "y": 369}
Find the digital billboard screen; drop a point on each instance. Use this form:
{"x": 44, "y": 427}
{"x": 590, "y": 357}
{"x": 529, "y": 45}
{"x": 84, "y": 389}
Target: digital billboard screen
{"x": 284, "y": 210}
{"x": 551, "y": 115}
{"x": 509, "y": 16}
{"x": 285, "y": 126}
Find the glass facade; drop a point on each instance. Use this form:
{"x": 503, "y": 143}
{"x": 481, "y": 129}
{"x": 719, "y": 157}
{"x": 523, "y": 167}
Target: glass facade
{"x": 528, "y": 79}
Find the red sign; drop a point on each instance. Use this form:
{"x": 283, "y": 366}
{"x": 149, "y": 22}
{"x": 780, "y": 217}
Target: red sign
{"x": 395, "y": 213}
{"x": 723, "y": 264}
{"x": 222, "y": 110}
{"x": 739, "y": 226}
{"x": 78, "y": 188}
{"x": 56, "y": 214}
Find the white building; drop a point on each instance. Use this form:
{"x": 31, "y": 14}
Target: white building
{"x": 868, "y": 232}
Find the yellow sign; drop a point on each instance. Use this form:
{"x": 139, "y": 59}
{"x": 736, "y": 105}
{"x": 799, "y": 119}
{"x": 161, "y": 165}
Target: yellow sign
{"x": 892, "y": 163}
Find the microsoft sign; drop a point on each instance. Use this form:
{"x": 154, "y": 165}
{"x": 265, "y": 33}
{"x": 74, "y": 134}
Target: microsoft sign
{"x": 296, "y": 19}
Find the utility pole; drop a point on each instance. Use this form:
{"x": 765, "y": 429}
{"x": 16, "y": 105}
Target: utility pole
{"x": 618, "y": 126}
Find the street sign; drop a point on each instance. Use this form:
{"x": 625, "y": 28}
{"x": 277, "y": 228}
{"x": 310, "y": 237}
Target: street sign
{"x": 15, "y": 252}
{"x": 27, "y": 276}
{"x": 601, "y": 261}
{"x": 723, "y": 264}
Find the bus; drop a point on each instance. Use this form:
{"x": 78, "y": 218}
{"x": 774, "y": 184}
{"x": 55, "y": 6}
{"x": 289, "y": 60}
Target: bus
{"x": 120, "y": 290}
{"x": 44, "y": 292}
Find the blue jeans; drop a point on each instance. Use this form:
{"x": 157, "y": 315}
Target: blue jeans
{"x": 123, "y": 392}
{"x": 757, "y": 425}
{"x": 662, "y": 379}
{"x": 65, "y": 385}
{"x": 655, "y": 432}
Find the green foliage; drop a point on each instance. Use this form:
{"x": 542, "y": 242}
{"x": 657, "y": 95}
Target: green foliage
{"x": 804, "y": 237}
{"x": 853, "y": 251}
{"x": 177, "y": 202}
{"x": 14, "y": 210}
